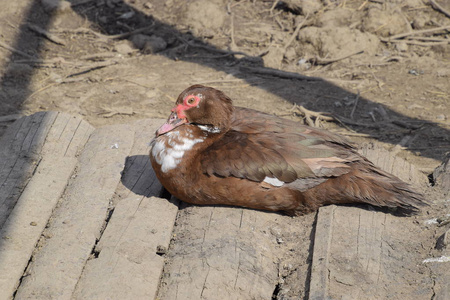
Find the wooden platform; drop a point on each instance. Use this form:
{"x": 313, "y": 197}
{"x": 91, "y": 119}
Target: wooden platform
{"x": 82, "y": 216}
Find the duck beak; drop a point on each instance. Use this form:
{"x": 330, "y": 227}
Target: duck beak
{"x": 172, "y": 122}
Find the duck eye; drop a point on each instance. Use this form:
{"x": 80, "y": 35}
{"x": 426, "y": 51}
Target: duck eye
{"x": 190, "y": 100}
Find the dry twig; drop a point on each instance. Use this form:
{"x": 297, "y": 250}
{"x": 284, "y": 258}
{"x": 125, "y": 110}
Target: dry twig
{"x": 323, "y": 61}
{"x": 273, "y": 6}
{"x": 212, "y": 49}
{"x": 10, "y": 118}
{"x": 354, "y": 105}
{"x": 402, "y": 35}
{"x": 429, "y": 39}
{"x": 15, "y": 50}
{"x": 439, "y": 8}
{"x": 279, "y": 73}
{"x": 410, "y": 42}
{"x": 92, "y": 67}
{"x": 51, "y": 37}
{"x": 295, "y": 34}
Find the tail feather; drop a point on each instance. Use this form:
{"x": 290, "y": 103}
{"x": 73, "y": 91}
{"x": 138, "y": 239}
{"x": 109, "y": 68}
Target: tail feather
{"x": 367, "y": 184}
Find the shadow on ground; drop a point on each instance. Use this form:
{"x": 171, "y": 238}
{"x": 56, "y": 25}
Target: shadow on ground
{"x": 316, "y": 94}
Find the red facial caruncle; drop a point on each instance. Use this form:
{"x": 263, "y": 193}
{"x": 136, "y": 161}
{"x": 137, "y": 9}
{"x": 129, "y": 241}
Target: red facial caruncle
{"x": 188, "y": 102}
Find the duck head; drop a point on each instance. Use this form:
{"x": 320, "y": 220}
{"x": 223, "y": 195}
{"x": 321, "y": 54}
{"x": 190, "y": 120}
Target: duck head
{"x": 206, "y": 107}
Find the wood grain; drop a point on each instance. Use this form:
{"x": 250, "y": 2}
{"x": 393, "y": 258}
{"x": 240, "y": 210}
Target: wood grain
{"x": 129, "y": 259}
{"x": 77, "y": 222}
{"x": 49, "y": 173}
{"x": 358, "y": 253}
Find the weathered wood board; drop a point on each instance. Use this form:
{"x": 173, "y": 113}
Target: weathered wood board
{"x": 28, "y": 148}
{"x": 78, "y": 219}
{"x": 129, "y": 261}
{"x": 61, "y": 179}
{"x": 440, "y": 263}
{"x": 82, "y": 217}
{"x": 22, "y": 145}
{"x": 359, "y": 253}
{"x": 223, "y": 254}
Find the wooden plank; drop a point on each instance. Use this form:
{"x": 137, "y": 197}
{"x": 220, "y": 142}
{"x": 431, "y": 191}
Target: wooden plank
{"x": 359, "y": 254}
{"x": 24, "y": 225}
{"x": 26, "y": 222}
{"x": 77, "y": 221}
{"x": 139, "y": 177}
{"x": 221, "y": 253}
{"x": 440, "y": 267}
{"x": 322, "y": 244}
{"x": 20, "y": 151}
{"x": 441, "y": 175}
{"x": 61, "y": 140}
{"x": 127, "y": 265}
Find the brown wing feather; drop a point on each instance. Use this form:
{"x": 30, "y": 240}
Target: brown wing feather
{"x": 259, "y": 145}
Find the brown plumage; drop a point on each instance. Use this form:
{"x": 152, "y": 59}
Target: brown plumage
{"x": 209, "y": 152}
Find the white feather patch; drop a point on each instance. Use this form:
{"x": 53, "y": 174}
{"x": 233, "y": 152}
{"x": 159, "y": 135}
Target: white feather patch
{"x": 273, "y": 181}
{"x": 209, "y": 128}
{"x": 170, "y": 157}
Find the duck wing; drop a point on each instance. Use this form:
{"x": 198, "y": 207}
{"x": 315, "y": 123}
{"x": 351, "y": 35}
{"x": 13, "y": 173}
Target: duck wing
{"x": 259, "y": 145}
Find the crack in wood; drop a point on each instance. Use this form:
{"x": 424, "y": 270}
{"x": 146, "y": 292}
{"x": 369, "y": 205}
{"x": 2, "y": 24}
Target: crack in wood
{"x": 71, "y": 138}
{"x": 206, "y": 278}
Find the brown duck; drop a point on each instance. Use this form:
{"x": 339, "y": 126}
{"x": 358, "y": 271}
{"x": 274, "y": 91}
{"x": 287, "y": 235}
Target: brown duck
{"x": 210, "y": 152}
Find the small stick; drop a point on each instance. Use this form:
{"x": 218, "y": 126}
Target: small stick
{"x": 429, "y": 39}
{"x": 354, "y": 106}
{"x": 279, "y": 73}
{"x": 92, "y": 68}
{"x": 402, "y": 35}
{"x": 294, "y": 35}
{"x": 39, "y": 90}
{"x": 130, "y": 33}
{"x": 362, "y": 5}
{"x": 51, "y": 37}
{"x": 273, "y": 6}
{"x": 380, "y": 84}
{"x": 233, "y": 45}
{"x": 339, "y": 119}
{"x": 410, "y": 42}
{"x": 437, "y": 7}
{"x": 324, "y": 61}
{"x": 98, "y": 56}
{"x": 116, "y": 36}
{"x": 82, "y": 2}
{"x": 315, "y": 114}
{"x": 15, "y": 50}
{"x": 355, "y": 134}
{"x": 212, "y": 49}
{"x": 10, "y": 118}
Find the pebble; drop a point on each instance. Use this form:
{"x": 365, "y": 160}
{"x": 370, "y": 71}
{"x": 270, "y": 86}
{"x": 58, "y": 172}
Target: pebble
{"x": 149, "y": 44}
{"x": 56, "y": 6}
{"x": 402, "y": 47}
{"x": 441, "y": 117}
{"x": 124, "y": 48}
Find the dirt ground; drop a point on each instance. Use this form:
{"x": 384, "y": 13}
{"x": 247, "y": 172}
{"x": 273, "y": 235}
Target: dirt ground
{"x": 378, "y": 70}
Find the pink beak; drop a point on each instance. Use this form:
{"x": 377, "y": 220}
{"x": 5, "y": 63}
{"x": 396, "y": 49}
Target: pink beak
{"x": 172, "y": 122}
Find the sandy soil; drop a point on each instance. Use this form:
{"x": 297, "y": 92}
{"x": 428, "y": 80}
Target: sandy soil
{"x": 378, "y": 70}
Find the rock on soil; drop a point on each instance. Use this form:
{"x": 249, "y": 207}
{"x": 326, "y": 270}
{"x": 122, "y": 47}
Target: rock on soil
{"x": 337, "y": 41}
